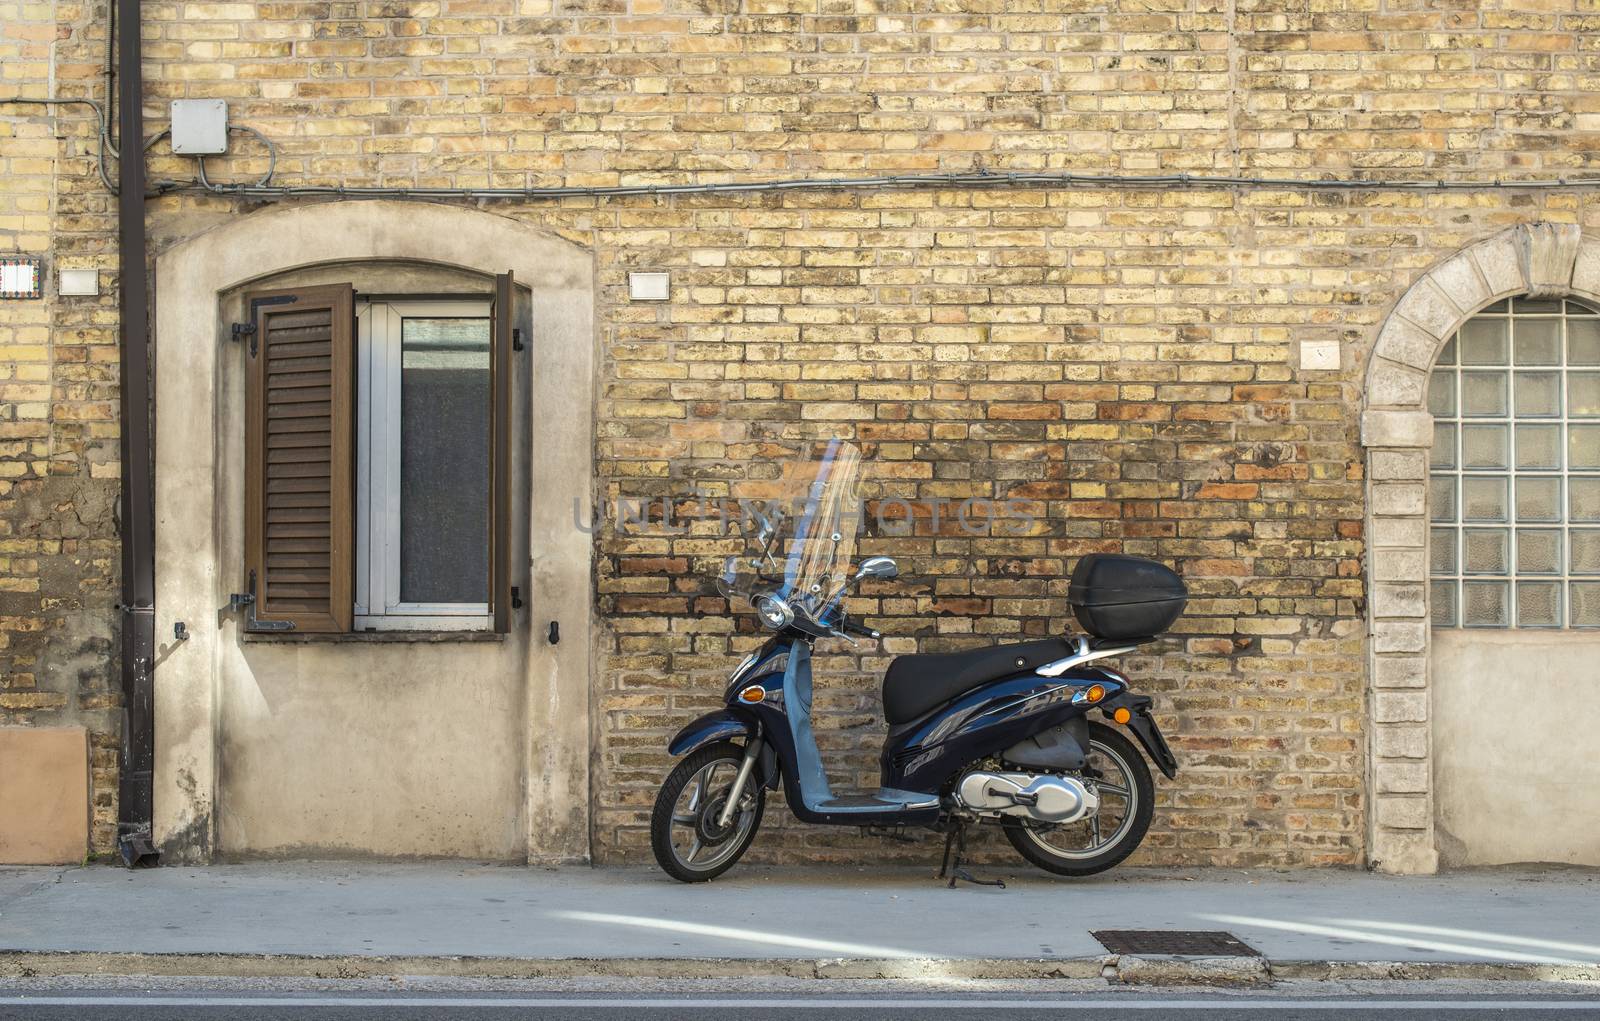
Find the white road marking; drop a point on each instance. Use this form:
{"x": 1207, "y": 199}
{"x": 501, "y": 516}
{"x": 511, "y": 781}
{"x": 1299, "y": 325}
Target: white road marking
{"x": 775, "y": 939}
{"x": 1416, "y": 943}
{"x": 1592, "y": 950}
{"x": 1221, "y": 1003}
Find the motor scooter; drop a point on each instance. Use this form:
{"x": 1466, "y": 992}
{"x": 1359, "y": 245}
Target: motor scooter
{"x": 996, "y": 734}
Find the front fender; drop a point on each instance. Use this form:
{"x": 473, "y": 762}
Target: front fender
{"x": 718, "y": 726}
{"x": 723, "y": 726}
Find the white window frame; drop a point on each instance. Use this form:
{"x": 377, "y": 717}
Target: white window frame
{"x": 378, "y": 606}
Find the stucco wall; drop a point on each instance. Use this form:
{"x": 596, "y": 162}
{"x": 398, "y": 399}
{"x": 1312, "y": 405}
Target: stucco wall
{"x": 407, "y": 749}
{"x": 307, "y": 744}
{"x": 350, "y": 747}
{"x": 1515, "y": 717}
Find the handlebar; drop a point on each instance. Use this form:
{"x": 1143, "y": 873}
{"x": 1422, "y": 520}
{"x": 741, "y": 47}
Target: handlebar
{"x": 851, "y": 627}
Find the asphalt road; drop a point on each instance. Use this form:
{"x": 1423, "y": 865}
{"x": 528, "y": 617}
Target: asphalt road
{"x": 90, "y": 1004}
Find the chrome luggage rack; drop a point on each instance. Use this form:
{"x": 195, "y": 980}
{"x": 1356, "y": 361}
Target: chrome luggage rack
{"x": 1084, "y": 654}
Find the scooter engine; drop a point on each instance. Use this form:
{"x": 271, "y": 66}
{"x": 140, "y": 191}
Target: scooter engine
{"x": 1052, "y": 799}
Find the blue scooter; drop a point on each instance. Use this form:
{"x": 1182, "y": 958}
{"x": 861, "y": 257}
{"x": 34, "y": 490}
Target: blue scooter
{"x": 996, "y": 734}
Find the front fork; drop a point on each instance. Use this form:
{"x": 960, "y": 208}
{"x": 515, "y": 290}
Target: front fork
{"x": 752, "y": 751}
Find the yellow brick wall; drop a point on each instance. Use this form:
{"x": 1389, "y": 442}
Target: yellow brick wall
{"x": 58, "y": 399}
{"x": 1124, "y": 359}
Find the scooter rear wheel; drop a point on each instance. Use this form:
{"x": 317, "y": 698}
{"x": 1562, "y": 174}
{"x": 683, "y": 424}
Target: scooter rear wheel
{"x": 688, "y": 844}
{"x": 1127, "y": 798}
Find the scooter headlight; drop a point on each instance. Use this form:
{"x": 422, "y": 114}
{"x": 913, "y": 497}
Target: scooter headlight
{"x": 774, "y": 612}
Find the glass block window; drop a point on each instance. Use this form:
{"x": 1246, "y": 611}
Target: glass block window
{"x": 1514, "y": 473}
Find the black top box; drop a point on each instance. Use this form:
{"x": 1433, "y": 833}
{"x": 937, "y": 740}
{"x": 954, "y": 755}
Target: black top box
{"x": 1124, "y": 599}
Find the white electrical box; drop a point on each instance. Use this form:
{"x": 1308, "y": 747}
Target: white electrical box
{"x": 199, "y": 127}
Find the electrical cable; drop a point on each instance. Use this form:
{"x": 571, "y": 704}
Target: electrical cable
{"x": 978, "y": 179}
{"x": 100, "y": 118}
{"x": 109, "y": 139}
{"x": 272, "y": 159}
{"x": 264, "y": 189}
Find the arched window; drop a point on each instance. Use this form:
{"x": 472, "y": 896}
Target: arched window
{"x": 1514, "y": 473}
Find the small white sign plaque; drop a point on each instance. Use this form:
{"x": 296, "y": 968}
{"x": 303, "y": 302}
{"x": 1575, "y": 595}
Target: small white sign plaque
{"x": 20, "y": 278}
{"x": 1319, "y": 354}
{"x": 649, "y": 286}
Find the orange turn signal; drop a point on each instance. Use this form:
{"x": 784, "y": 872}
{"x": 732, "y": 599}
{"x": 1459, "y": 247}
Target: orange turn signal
{"x": 1096, "y": 693}
{"x": 753, "y": 694}
{"x": 1122, "y": 716}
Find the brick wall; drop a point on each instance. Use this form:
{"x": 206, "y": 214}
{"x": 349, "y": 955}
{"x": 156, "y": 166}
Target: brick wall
{"x": 58, "y": 400}
{"x": 1122, "y": 359}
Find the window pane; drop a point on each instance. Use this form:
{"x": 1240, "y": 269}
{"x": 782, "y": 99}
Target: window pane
{"x": 1538, "y": 499}
{"x": 1483, "y": 499}
{"x": 1538, "y": 342}
{"x": 444, "y": 462}
{"x": 1583, "y": 394}
{"x": 1539, "y": 446}
{"x": 1516, "y": 441}
{"x": 1530, "y": 306}
{"x": 1538, "y": 604}
{"x": 1583, "y": 499}
{"x": 1486, "y": 551}
{"x": 1584, "y": 599}
{"x": 1538, "y": 394}
{"x": 1538, "y": 551}
{"x": 1442, "y": 603}
{"x": 1485, "y": 604}
{"x": 1483, "y": 341}
{"x": 1442, "y": 392}
{"x": 1583, "y": 446}
{"x": 1583, "y": 342}
{"x": 1483, "y": 394}
{"x": 1442, "y": 551}
{"x": 1442, "y": 498}
{"x": 1585, "y": 543}
{"x": 1484, "y": 446}
{"x": 1443, "y": 452}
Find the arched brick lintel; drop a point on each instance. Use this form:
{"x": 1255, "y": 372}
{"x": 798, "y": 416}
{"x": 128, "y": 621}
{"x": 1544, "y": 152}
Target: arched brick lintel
{"x": 1539, "y": 259}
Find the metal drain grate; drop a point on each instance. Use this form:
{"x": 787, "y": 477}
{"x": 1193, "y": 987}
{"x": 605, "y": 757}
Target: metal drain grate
{"x": 1173, "y": 943}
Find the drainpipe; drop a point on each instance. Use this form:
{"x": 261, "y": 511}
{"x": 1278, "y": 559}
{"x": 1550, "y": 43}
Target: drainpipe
{"x": 134, "y": 801}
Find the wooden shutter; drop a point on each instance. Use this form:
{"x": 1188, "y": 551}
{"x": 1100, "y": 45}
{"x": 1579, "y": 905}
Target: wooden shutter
{"x": 500, "y": 456}
{"x": 299, "y": 458}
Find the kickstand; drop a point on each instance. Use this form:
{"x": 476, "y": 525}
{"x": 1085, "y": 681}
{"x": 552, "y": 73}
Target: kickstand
{"x": 957, "y": 839}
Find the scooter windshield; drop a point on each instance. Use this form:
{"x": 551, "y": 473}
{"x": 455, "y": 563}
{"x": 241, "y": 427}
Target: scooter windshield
{"x": 802, "y": 529}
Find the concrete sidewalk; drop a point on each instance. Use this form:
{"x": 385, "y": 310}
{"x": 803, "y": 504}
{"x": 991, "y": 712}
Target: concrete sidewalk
{"x": 1539, "y": 922}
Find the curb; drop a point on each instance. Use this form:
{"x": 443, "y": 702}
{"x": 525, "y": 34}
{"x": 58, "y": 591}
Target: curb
{"x": 54, "y": 964}
{"x": 1125, "y": 969}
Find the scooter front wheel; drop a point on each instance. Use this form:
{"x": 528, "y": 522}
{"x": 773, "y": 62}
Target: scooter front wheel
{"x": 1127, "y": 801}
{"x": 690, "y": 844}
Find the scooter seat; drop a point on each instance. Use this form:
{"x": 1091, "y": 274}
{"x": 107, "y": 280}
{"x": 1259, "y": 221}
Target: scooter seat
{"x": 914, "y": 684}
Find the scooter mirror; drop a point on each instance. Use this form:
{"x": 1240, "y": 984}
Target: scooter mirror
{"x": 878, "y": 567}
{"x": 764, "y": 529}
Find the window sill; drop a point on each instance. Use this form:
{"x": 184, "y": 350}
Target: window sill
{"x": 368, "y": 637}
